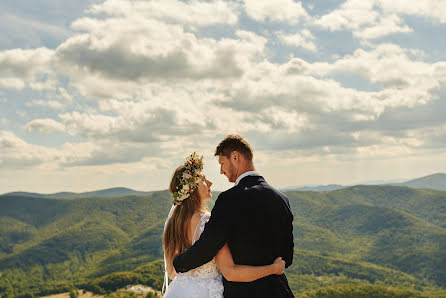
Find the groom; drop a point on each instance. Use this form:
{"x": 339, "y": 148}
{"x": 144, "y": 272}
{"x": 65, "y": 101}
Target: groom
{"x": 252, "y": 217}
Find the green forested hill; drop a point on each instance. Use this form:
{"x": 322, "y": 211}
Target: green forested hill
{"x": 426, "y": 204}
{"x": 386, "y": 240}
{"x": 49, "y": 242}
{"x": 395, "y": 227}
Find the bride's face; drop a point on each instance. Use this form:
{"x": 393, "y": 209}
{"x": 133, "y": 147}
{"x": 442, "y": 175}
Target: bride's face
{"x": 204, "y": 188}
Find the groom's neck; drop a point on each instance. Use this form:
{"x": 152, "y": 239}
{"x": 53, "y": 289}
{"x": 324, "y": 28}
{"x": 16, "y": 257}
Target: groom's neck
{"x": 246, "y": 167}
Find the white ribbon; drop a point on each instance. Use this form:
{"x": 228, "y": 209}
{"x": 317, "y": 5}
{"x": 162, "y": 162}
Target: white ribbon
{"x": 166, "y": 276}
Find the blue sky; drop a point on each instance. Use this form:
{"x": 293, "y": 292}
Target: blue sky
{"x": 97, "y": 94}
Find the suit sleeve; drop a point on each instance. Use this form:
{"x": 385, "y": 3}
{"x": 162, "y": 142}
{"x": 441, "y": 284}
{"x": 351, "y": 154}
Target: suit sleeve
{"x": 210, "y": 242}
{"x": 289, "y": 241}
{"x": 287, "y": 251}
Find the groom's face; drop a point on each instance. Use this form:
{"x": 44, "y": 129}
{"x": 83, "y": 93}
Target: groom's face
{"x": 227, "y": 168}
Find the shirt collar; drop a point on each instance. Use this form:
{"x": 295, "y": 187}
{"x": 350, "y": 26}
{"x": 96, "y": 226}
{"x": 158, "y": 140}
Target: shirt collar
{"x": 245, "y": 174}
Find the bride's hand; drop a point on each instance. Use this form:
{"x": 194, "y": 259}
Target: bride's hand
{"x": 279, "y": 265}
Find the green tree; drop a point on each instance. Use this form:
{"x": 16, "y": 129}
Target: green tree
{"x": 74, "y": 293}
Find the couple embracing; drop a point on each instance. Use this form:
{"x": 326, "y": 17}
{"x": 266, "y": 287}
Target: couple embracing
{"x": 243, "y": 246}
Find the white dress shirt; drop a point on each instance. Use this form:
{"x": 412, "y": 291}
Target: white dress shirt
{"x": 249, "y": 173}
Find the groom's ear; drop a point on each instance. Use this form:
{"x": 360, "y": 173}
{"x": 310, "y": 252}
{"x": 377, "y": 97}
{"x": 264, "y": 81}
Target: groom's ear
{"x": 235, "y": 155}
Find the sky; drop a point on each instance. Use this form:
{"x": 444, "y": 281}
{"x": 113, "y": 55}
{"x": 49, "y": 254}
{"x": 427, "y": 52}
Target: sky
{"x": 116, "y": 93}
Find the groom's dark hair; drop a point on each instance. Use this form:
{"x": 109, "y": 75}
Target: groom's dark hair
{"x": 234, "y": 142}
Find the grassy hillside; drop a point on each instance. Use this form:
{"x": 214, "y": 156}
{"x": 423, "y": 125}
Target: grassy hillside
{"x": 380, "y": 240}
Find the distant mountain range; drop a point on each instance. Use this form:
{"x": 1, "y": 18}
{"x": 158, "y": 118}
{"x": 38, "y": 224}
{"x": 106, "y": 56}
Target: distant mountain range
{"x": 105, "y": 193}
{"x": 434, "y": 181}
{"x": 328, "y": 187}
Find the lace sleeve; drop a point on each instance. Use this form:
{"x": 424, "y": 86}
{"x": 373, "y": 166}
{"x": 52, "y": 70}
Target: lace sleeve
{"x": 204, "y": 218}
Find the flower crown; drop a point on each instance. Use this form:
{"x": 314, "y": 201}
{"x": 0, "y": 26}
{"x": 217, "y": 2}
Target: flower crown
{"x": 189, "y": 178}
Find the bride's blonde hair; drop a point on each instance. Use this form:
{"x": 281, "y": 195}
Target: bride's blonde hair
{"x": 175, "y": 238}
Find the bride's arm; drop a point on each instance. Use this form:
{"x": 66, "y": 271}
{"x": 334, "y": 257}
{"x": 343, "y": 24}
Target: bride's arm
{"x": 245, "y": 273}
{"x": 171, "y": 272}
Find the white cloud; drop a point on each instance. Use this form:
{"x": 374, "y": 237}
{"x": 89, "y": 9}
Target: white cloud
{"x": 197, "y": 13}
{"x": 278, "y": 118}
{"x": 52, "y": 104}
{"x": 65, "y": 95}
{"x": 17, "y": 153}
{"x": 20, "y": 68}
{"x": 144, "y": 45}
{"x": 45, "y": 126}
{"x": 93, "y": 85}
{"x": 403, "y": 81}
{"x": 91, "y": 125}
{"x": 352, "y": 14}
{"x": 432, "y": 9}
{"x": 146, "y": 127}
{"x": 440, "y": 71}
{"x": 386, "y": 25}
{"x": 141, "y": 49}
{"x": 304, "y": 39}
{"x": 308, "y": 89}
{"x": 363, "y": 19}
{"x": 391, "y": 66}
{"x": 371, "y": 19}
{"x": 157, "y": 112}
{"x": 280, "y": 10}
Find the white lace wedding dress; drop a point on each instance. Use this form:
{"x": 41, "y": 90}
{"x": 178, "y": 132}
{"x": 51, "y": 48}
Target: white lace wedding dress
{"x": 202, "y": 282}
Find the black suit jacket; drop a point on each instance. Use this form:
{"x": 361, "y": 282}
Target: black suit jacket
{"x": 256, "y": 221}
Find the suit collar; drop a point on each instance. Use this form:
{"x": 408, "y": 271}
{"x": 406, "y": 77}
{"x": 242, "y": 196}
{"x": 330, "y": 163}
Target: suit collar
{"x": 247, "y": 179}
{"x": 246, "y": 174}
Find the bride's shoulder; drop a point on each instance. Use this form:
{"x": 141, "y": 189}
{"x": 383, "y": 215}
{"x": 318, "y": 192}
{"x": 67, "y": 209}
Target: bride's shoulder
{"x": 205, "y": 215}
{"x": 201, "y": 216}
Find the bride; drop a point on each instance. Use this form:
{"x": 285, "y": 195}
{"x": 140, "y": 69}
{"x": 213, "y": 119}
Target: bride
{"x": 183, "y": 227}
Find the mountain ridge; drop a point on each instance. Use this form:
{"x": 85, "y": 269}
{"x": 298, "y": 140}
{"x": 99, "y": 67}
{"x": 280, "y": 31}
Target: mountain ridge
{"x": 102, "y": 193}
{"x": 436, "y": 181}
